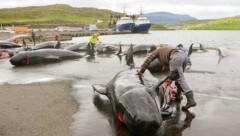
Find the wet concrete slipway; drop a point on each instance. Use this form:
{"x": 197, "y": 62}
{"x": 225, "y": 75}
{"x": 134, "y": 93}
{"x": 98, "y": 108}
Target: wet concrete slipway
{"x": 217, "y": 90}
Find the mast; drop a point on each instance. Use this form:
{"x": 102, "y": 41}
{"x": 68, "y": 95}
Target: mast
{"x": 124, "y": 11}
{"x": 141, "y": 11}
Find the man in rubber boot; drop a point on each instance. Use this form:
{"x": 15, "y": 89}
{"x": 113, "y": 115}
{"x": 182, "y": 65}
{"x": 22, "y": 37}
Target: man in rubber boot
{"x": 177, "y": 60}
{"x": 91, "y": 45}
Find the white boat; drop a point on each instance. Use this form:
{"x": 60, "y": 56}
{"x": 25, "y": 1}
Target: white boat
{"x": 125, "y": 23}
{"x": 142, "y": 25}
{"x": 93, "y": 28}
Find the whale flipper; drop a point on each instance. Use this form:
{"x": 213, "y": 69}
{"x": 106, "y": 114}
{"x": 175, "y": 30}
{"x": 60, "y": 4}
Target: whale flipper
{"x": 100, "y": 88}
{"x": 52, "y": 59}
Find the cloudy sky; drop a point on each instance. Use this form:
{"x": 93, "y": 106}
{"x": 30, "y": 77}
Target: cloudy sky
{"x": 201, "y": 9}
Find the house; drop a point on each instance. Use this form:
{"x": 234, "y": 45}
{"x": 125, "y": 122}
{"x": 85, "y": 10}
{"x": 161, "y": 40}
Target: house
{"x": 19, "y": 29}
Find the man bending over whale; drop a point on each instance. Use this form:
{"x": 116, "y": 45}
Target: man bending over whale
{"x": 177, "y": 60}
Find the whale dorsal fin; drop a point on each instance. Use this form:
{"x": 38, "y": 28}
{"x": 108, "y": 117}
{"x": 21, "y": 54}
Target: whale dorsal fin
{"x": 100, "y": 88}
{"x": 190, "y": 50}
{"x": 202, "y": 48}
{"x": 119, "y": 50}
{"x": 129, "y": 57}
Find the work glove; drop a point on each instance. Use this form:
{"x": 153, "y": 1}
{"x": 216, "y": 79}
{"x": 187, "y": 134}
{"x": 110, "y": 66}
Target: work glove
{"x": 174, "y": 75}
{"x": 140, "y": 74}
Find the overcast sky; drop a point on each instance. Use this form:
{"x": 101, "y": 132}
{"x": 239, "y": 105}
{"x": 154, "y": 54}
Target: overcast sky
{"x": 201, "y": 9}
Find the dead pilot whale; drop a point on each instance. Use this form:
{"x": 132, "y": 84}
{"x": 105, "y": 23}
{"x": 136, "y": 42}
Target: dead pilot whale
{"x": 142, "y": 48}
{"x": 42, "y": 56}
{"x": 8, "y": 45}
{"x": 47, "y": 45}
{"x": 134, "y": 104}
{"x": 200, "y": 48}
{"x": 78, "y": 47}
{"x": 106, "y": 49}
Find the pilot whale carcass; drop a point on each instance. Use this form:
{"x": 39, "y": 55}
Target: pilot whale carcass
{"x": 8, "y": 45}
{"x": 78, "y": 47}
{"x": 46, "y": 45}
{"x": 142, "y": 48}
{"x": 106, "y": 49}
{"x": 4, "y": 53}
{"x": 42, "y": 56}
{"x": 135, "y": 104}
{"x": 199, "y": 48}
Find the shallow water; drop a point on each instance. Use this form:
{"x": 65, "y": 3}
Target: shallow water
{"x": 207, "y": 38}
{"x": 217, "y": 95}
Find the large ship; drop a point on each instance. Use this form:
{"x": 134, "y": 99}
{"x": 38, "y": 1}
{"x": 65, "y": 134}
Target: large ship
{"x": 125, "y": 23}
{"x": 142, "y": 25}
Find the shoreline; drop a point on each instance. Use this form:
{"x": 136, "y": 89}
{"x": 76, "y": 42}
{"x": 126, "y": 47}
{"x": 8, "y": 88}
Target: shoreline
{"x": 37, "y": 109}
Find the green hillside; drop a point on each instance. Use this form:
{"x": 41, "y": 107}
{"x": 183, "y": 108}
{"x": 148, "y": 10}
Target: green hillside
{"x": 159, "y": 27}
{"x": 231, "y": 23}
{"x": 53, "y": 14}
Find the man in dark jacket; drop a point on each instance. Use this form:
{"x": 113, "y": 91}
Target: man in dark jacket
{"x": 177, "y": 60}
{"x": 33, "y": 38}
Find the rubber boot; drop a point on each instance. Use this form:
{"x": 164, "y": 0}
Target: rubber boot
{"x": 179, "y": 92}
{"x": 190, "y": 101}
{"x": 90, "y": 49}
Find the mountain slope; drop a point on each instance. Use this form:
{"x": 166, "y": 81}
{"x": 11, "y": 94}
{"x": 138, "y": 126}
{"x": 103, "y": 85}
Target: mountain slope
{"x": 230, "y": 23}
{"x": 166, "y": 17}
{"x": 53, "y": 13}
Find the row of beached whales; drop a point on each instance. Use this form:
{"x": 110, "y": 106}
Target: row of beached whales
{"x": 136, "y": 102}
{"x": 53, "y": 53}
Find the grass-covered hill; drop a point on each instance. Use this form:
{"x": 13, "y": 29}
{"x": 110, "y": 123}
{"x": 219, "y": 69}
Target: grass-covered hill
{"x": 231, "y": 23}
{"x": 53, "y": 14}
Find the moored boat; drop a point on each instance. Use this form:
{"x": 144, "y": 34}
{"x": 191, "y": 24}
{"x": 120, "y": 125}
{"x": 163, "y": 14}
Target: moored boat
{"x": 93, "y": 28}
{"x": 142, "y": 25}
{"x": 125, "y": 23}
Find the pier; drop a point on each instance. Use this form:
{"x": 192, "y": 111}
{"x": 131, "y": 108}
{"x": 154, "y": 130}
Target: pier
{"x": 67, "y": 35}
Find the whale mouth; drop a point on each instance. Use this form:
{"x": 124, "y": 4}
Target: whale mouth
{"x": 18, "y": 59}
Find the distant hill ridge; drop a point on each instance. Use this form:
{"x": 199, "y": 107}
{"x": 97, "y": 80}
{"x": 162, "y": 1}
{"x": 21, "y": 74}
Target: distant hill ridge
{"x": 167, "y": 17}
{"x": 229, "y": 23}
